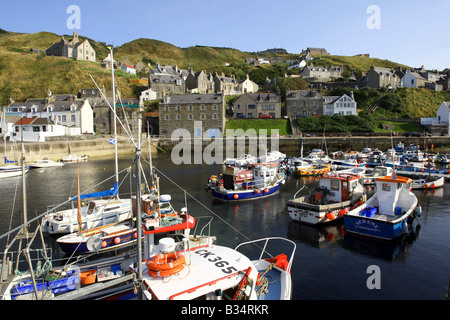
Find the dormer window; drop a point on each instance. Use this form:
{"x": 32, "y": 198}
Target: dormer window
{"x": 73, "y": 108}
{"x": 50, "y": 109}
{"x": 33, "y": 110}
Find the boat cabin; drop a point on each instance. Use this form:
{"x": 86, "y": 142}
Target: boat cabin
{"x": 390, "y": 189}
{"x": 337, "y": 187}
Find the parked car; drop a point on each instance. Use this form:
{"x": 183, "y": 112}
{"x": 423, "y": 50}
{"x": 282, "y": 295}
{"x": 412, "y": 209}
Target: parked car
{"x": 265, "y": 116}
{"x": 414, "y": 134}
{"x": 240, "y": 116}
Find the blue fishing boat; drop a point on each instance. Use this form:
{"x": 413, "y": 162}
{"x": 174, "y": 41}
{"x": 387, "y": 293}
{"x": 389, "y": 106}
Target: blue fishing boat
{"x": 389, "y": 213}
{"x": 261, "y": 181}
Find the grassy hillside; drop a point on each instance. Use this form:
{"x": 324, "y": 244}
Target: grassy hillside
{"x": 359, "y": 64}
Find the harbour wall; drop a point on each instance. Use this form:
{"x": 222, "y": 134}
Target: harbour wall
{"x": 101, "y": 147}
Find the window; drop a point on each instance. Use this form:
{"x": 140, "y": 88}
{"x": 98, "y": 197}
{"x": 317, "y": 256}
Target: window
{"x": 214, "y": 116}
{"x": 386, "y": 187}
{"x": 202, "y": 116}
{"x": 215, "y": 107}
{"x": 166, "y": 117}
{"x": 166, "y": 108}
{"x": 334, "y": 185}
{"x": 36, "y": 129}
{"x": 202, "y": 107}
{"x": 191, "y": 107}
{"x": 251, "y": 106}
{"x": 178, "y": 108}
{"x": 63, "y": 118}
{"x": 73, "y": 118}
{"x": 190, "y": 117}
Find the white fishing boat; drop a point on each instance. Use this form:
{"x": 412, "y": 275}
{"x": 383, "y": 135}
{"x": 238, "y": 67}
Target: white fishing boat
{"x": 379, "y": 171}
{"x": 389, "y": 213}
{"x": 272, "y": 157}
{"x": 336, "y": 194}
{"x": 45, "y": 163}
{"x": 428, "y": 183}
{"x": 217, "y": 272}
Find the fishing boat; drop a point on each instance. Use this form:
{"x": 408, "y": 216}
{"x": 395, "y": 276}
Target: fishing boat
{"x": 218, "y": 272}
{"x": 45, "y": 163}
{"x": 272, "y": 157}
{"x": 295, "y": 164}
{"x": 336, "y": 194}
{"x": 428, "y": 183}
{"x": 260, "y": 182}
{"x": 313, "y": 170}
{"x": 389, "y": 213}
{"x": 379, "y": 171}
{"x": 349, "y": 162}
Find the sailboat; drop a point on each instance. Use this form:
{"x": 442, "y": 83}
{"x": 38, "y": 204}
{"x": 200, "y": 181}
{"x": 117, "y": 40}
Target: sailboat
{"x": 9, "y": 169}
{"x": 96, "y": 212}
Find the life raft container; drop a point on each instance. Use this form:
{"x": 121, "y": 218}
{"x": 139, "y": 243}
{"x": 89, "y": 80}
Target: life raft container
{"x": 163, "y": 265}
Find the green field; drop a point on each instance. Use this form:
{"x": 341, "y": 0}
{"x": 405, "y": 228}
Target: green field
{"x": 248, "y": 125}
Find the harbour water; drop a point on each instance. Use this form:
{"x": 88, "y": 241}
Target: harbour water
{"x": 328, "y": 265}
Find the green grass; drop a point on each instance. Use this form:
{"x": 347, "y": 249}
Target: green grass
{"x": 282, "y": 125}
{"x": 398, "y": 126}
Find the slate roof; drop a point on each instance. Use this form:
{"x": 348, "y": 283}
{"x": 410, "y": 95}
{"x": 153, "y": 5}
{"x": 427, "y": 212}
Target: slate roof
{"x": 192, "y": 98}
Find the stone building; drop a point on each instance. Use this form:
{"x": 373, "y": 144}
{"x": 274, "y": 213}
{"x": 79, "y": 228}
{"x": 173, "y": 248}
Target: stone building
{"x": 76, "y": 49}
{"x": 254, "y": 105}
{"x": 199, "y": 82}
{"x": 378, "y": 77}
{"x": 200, "y": 114}
{"x": 303, "y": 103}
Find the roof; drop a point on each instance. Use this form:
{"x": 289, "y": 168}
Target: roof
{"x": 25, "y": 121}
{"x": 129, "y": 66}
{"x": 193, "y": 98}
{"x": 262, "y": 96}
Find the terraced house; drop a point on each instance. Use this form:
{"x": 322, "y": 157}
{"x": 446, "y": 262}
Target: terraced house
{"x": 202, "y": 115}
{"x": 255, "y": 105}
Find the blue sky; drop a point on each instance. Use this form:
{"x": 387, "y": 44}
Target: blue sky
{"x": 411, "y": 32}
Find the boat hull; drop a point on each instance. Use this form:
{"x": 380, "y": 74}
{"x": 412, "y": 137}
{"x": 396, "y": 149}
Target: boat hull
{"x": 377, "y": 229}
{"x": 318, "y": 214}
{"x": 243, "y": 195}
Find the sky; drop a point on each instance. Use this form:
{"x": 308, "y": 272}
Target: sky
{"x": 412, "y": 33}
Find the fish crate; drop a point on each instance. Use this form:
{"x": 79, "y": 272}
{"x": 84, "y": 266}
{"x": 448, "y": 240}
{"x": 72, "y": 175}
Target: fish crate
{"x": 59, "y": 285}
{"x": 369, "y": 212}
{"x": 26, "y": 287}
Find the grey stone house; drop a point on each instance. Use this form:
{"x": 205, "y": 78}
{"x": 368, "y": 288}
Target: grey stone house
{"x": 253, "y": 105}
{"x": 225, "y": 85}
{"x": 303, "y": 103}
{"x": 378, "y": 77}
{"x": 76, "y": 49}
{"x": 167, "y": 84}
{"x": 199, "y": 82}
{"x": 199, "y": 114}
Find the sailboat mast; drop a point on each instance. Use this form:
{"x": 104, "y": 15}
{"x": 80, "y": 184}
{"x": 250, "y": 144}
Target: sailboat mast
{"x": 24, "y": 188}
{"x": 115, "y": 121}
{"x": 138, "y": 213}
{"x": 78, "y": 199}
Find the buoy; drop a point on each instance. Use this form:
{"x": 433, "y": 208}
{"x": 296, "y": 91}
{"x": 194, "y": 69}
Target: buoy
{"x": 360, "y": 202}
{"x": 266, "y": 190}
{"x": 342, "y": 212}
{"x": 116, "y": 240}
{"x": 104, "y": 244}
{"x": 257, "y": 191}
{"x": 135, "y": 235}
{"x": 330, "y": 216}
{"x": 235, "y": 196}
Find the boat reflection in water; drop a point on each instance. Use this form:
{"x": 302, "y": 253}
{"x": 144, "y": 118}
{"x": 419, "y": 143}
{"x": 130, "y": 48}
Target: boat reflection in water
{"x": 318, "y": 236}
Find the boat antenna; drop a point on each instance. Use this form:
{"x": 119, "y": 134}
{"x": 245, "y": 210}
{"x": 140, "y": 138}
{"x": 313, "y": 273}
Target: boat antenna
{"x": 394, "y": 175}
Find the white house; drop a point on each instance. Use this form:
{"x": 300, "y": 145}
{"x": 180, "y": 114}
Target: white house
{"x": 297, "y": 64}
{"x": 71, "y": 114}
{"x": 35, "y": 129}
{"x": 149, "y": 94}
{"x": 128, "y": 68}
{"x": 413, "y": 80}
{"x": 7, "y": 123}
{"x": 343, "y": 105}
{"x": 247, "y": 86}
{"x": 442, "y": 118}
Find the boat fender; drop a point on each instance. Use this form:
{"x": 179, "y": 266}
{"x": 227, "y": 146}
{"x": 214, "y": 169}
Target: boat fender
{"x": 104, "y": 244}
{"x": 330, "y": 216}
{"x": 266, "y": 190}
{"x": 116, "y": 240}
{"x": 236, "y": 196}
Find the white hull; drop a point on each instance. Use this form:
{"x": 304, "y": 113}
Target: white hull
{"x": 105, "y": 212}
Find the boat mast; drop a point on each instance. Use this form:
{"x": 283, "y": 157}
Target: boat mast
{"x": 138, "y": 212}
{"x": 115, "y": 121}
{"x": 24, "y": 190}
{"x": 78, "y": 199}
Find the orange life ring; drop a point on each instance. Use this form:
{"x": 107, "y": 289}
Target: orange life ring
{"x": 163, "y": 265}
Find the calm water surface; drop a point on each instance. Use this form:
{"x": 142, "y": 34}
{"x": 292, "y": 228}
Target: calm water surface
{"x": 328, "y": 264}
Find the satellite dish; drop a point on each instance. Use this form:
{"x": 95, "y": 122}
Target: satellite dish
{"x": 94, "y": 243}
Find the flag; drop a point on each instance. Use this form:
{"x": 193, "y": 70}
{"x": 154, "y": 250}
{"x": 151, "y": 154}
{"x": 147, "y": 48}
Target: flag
{"x": 112, "y": 141}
